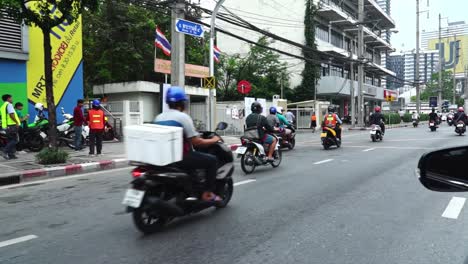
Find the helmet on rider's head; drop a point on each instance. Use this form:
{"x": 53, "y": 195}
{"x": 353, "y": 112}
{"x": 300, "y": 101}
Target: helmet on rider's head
{"x": 273, "y": 110}
{"x": 96, "y": 103}
{"x": 279, "y": 109}
{"x": 256, "y": 107}
{"x": 175, "y": 94}
{"x": 331, "y": 109}
{"x": 39, "y": 106}
{"x": 377, "y": 109}
{"x": 433, "y": 109}
{"x": 460, "y": 109}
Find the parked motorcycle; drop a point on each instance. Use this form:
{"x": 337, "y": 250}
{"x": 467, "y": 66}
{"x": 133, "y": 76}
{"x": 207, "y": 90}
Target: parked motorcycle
{"x": 329, "y": 139}
{"x": 32, "y": 139}
{"x": 415, "y": 123}
{"x": 376, "y": 133}
{"x": 460, "y": 129}
{"x": 109, "y": 132}
{"x": 432, "y": 125}
{"x": 252, "y": 154}
{"x": 160, "y": 194}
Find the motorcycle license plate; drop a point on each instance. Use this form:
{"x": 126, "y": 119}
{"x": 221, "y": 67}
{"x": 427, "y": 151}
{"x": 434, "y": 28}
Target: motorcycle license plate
{"x": 460, "y": 125}
{"x": 373, "y": 132}
{"x": 43, "y": 135}
{"x": 432, "y": 124}
{"x": 323, "y": 135}
{"x": 133, "y": 198}
{"x": 241, "y": 150}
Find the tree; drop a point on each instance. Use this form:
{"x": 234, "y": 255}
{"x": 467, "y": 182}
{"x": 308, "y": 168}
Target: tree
{"x": 432, "y": 87}
{"x": 261, "y": 67}
{"x": 311, "y": 72}
{"x": 38, "y": 13}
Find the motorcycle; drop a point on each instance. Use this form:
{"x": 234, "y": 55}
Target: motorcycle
{"x": 252, "y": 154}
{"x": 432, "y": 125}
{"x": 288, "y": 141}
{"x": 376, "y": 133}
{"x": 109, "y": 132}
{"x": 415, "y": 123}
{"x": 161, "y": 193}
{"x": 460, "y": 129}
{"x": 329, "y": 139}
{"x": 67, "y": 131}
{"x": 450, "y": 120}
{"x": 32, "y": 139}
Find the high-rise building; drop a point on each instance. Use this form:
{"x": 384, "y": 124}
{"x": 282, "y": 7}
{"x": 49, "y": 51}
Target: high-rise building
{"x": 386, "y": 35}
{"x": 396, "y": 63}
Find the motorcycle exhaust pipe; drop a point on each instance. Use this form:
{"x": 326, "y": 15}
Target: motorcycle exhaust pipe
{"x": 165, "y": 206}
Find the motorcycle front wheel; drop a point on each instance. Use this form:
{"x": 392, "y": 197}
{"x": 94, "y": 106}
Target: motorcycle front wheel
{"x": 148, "y": 222}
{"x": 71, "y": 140}
{"x": 225, "y": 191}
{"x": 248, "y": 162}
{"x": 35, "y": 143}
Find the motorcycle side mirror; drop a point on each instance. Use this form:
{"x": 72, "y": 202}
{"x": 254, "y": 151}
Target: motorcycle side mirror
{"x": 442, "y": 170}
{"x": 221, "y": 126}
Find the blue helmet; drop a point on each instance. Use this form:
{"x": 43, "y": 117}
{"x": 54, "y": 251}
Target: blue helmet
{"x": 96, "y": 102}
{"x": 273, "y": 110}
{"x": 175, "y": 94}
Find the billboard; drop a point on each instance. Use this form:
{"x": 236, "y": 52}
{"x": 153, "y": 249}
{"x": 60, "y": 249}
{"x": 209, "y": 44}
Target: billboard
{"x": 67, "y": 54}
{"x": 452, "y": 47}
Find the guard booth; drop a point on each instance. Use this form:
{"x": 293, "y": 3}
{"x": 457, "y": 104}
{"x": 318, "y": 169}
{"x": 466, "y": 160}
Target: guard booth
{"x": 303, "y": 111}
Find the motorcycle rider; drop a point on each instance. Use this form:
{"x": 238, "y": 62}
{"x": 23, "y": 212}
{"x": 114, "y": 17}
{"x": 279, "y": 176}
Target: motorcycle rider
{"x": 333, "y": 120}
{"x": 433, "y": 116}
{"x": 175, "y": 116}
{"x": 378, "y": 119}
{"x": 460, "y": 116}
{"x": 272, "y": 118}
{"x": 415, "y": 116}
{"x": 255, "y": 119}
{"x": 283, "y": 122}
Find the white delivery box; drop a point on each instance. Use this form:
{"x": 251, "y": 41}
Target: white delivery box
{"x": 154, "y": 144}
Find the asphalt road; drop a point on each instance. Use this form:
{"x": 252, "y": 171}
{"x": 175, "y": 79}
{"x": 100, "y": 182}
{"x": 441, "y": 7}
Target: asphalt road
{"x": 358, "y": 204}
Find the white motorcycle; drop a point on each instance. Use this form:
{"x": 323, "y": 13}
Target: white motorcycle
{"x": 68, "y": 130}
{"x": 376, "y": 133}
{"x": 252, "y": 154}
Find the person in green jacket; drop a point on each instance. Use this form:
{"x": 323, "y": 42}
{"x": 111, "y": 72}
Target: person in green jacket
{"x": 283, "y": 121}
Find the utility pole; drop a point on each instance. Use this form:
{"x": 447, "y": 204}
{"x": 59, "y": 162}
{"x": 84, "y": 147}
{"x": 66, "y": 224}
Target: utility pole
{"x": 361, "y": 65}
{"x": 454, "y": 100}
{"x": 281, "y": 83}
{"x": 442, "y": 64}
{"x": 466, "y": 87}
{"x": 416, "y": 74}
{"x": 351, "y": 91}
{"x": 178, "y": 46}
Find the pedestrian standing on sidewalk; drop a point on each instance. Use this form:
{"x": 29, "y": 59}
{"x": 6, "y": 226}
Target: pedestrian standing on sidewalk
{"x": 11, "y": 123}
{"x": 313, "y": 122}
{"x": 96, "y": 121}
{"x": 78, "y": 122}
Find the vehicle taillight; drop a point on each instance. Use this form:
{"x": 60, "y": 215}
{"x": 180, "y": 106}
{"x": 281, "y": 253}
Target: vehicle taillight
{"x": 243, "y": 141}
{"x": 138, "y": 172}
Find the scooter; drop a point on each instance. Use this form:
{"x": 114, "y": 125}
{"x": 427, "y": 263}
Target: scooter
{"x": 460, "y": 129}
{"x": 252, "y": 154}
{"x": 288, "y": 141}
{"x": 160, "y": 194}
{"x": 450, "y": 120}
{"x": 415, "y": 123}
{"x": 329, "y": 139}
{"x": 432, "y": 125}
{"x": 376, "y": 133}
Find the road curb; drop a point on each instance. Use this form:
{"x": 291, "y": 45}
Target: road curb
{"x": 59, "y": 171}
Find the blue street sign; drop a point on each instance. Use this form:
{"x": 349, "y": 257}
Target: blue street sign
{"x": 189, "y": 28}
{"x": 433, "y": 101}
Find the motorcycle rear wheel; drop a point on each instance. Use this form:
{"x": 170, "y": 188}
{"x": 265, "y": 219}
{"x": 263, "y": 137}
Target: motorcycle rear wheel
{"x": 278, "y": 158}
{"x": 374, "y": 139}
{"x": 147, "y": 222}
{"x": 292, "y": 144}
{"x": 225, "y": 191}
{"x": 248, "y": 169}
{"x": 35, "y": 143}
{"x": 71, "y": 143}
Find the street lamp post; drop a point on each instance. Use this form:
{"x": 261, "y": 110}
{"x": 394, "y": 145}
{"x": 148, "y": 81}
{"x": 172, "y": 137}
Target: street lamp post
{"x": 212, "y": 36}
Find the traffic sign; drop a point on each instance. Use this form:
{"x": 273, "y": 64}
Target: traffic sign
{"x": 209, "y": 82}
{"x": 189, "y": 28}
{"x": 433, "y": 101}
{"x": 244, "y": 87}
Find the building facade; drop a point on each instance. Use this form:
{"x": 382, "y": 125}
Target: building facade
{"x": 336, "y": 35}
{"x": 396, "y": 63}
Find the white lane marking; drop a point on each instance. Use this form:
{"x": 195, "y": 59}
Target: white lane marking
{"x": 367, "y": 150}
{"x": 323, "y": 161}
{"x": 244, "y": 182}
{"x": 12, "y": 186}
{"x": 17, "y": 240}
{"x": 454, "y": 207}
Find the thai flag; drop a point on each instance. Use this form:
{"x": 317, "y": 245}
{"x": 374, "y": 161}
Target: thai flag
{"x": 162, "y": 43}
{"x": 216, "y": 53}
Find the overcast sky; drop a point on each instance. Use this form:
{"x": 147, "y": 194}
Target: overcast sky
{"x": 404, "y": 14}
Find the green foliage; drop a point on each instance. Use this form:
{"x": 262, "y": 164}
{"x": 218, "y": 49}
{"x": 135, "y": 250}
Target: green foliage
{"x": 392, "y": 118}
{"x": 118, "y": 43}
{"x": 261, "y": 67}
{"x": 407, "y": 117}
{"x": 433, "y": 86}
{"x": 423, "y": 117}
{"x": 51, "y": 156}
{"x": 311, "y": 72}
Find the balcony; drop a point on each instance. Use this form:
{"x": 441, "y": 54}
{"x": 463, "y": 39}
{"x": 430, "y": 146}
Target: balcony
{"x": 338, "y": 86}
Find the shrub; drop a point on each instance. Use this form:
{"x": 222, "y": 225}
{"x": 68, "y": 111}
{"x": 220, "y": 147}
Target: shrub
{"x": 392, "y": 118}
{"x": 423, "y": 117}
{"x": 51, "y": 156}
{"x": 408, "y": 117}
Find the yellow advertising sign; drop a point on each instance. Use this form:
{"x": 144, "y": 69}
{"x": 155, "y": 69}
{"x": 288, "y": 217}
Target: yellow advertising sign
{"x": 67, "y": 53}
{"x": 450, "y": 47}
